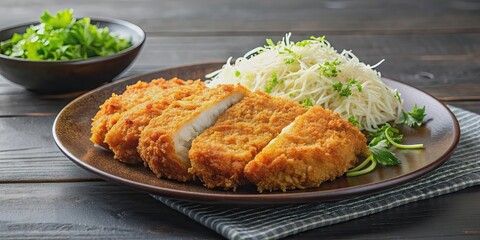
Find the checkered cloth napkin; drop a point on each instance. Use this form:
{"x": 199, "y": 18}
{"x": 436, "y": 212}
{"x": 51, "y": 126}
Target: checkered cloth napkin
{"x": 460, "y": 171}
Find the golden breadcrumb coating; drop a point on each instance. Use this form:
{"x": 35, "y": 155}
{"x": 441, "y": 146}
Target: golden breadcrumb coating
{"x": 318, "y": 146}
{"x": 112, "y": 109}
{"x": 123, "y": 137}
{"x": 157, "y": 140}
{"x": 219, "y": 155}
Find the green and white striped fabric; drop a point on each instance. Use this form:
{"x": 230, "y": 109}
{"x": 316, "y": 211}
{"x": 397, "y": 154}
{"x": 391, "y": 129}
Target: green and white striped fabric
{"x": 460, "y": 171}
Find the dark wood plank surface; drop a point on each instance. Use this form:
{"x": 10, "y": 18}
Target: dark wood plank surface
{"x": 89, "y": 210}
{"x": 99, "y": 210}
{"x": 253, "y": 17}
{"x": 432, "y": 45}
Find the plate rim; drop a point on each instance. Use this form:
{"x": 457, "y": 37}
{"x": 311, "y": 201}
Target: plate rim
{"x": 253, "y": 199}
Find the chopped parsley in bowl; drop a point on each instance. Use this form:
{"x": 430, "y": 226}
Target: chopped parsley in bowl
{"x": 60, "y": 54}
{"x": 62, "y": 37}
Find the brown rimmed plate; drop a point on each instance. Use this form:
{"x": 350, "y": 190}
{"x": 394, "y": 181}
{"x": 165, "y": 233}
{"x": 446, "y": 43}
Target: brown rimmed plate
{"x": 71, "y": 130}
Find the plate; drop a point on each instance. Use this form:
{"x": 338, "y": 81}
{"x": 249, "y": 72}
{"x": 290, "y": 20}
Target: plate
{"x": 71, "y": 131}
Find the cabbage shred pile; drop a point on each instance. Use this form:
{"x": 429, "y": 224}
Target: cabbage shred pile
{"x": 312, "y": 72}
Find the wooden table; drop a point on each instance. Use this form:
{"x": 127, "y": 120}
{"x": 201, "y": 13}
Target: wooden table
{"x": 432, "y": 45}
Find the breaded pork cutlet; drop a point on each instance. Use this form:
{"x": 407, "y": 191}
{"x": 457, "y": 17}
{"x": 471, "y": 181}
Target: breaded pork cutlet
{"x": 318, "y": 146}
{"x": 111, "y": 110}
{"x": 165, "y": 142}
{"x": 219, "y": 155}
{"x": 123, "y": 137}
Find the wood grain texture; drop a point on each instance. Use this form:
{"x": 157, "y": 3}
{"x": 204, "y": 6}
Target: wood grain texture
{"x": 472, "y": 106}
{"x": 106, "y": 211}
{"x": 28, "y": 153}
{"x": 92, "y": 210}
{"x": 220, "y": 17}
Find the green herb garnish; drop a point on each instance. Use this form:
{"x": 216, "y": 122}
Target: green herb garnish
{"x": 382, "y": 154}
{"x": 379, "y": 135}
{"x": 413, "y": 118}
{"x": 337, "y": 86}
{"x": 294, "y": 56}
{"x": 346, "y": 91}
{"x": 270, "y": 42}
{"x": 62, "y": 37}
{"x": 304, "y": 43}
{"x": 307, "y": 102}
{"x": 289, "y": 60}
{"x": 271, "y": 83}
{"x": 360, "y": 169}
{"x": 329, "y": 69}
{"x": 320, "y": 39}
{"x": 354, "y": 121}
{"x": 237, "y": 73}
{"x": 382, "y": 139}
{"x": 397, "y": 96}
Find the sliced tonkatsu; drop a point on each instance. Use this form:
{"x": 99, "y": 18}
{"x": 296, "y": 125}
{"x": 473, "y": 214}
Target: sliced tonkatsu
{"x": 165, "y": 141}
{"x": 123, "y": 137}
{"x": 218, "y": 155}
{"x": 318, "y": 146}
{"x": 113, "y": 108}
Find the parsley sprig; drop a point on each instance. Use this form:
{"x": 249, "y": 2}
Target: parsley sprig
{"x": 380, "y": 143}
{"x": 292, "y": 56}
{"x": 329, "y": 68}
{"x": 307, "y": 102}
{"x": 304, "y": 43}
{"x": 413, "y": 118}
{"x": 354, "y": 121}
{"x": 272, "y": 83}
{"x": 345, "y": 90}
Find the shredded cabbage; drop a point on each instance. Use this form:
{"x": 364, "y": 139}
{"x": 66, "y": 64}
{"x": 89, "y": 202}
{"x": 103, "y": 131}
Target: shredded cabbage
{"x": 312, "y": 72}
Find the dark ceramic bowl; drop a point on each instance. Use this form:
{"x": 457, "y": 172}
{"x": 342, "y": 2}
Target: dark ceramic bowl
{"x": 53, "y": 77}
